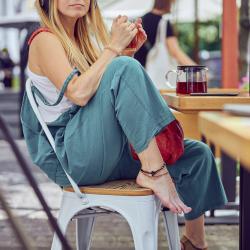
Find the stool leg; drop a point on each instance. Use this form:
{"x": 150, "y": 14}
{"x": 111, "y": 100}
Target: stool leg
{"x": 143, "y": 221}
{"x": 63, "y": 223}
{"x": 65, "y": 215}
{"x": 84, "y": 229}
{"x": 172, "y": 230}
{"x": 144, "y": 234}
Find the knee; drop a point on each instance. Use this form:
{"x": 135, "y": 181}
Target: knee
{"x": 203, "y": 150}
{"x": 125, "y": 61}
{"x": 125, "y": 71}
{"x": 123, "y": 64}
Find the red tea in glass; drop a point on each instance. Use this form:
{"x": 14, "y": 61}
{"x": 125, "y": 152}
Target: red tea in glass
{"x": 190, "y": 79}
{"x": 191, "y": 87}
{"x": 133, "y": 43}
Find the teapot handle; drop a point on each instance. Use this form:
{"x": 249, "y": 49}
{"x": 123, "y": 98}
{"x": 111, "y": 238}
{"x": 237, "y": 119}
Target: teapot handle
{"x": 170, "y": 85}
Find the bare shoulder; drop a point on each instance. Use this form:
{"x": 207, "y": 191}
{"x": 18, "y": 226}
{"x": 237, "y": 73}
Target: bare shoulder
{"x": 45, "y": 41}
{"x": 47, "y": 57}
{"x": 44, "y": 51}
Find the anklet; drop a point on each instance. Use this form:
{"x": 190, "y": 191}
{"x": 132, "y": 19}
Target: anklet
{"x": 153, "y": 173}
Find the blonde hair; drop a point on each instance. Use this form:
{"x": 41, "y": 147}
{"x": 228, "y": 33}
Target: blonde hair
{"x": 84, "y": 53}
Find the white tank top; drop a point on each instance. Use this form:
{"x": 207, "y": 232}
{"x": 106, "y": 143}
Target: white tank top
{"x": 51, "y": 93}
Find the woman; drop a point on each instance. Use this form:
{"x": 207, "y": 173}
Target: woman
{"x": 150, "y": 23}
{"x": 109, "y": 104}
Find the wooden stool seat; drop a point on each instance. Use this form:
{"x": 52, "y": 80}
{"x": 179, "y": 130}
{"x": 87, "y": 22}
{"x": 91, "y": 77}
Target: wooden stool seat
{"x": 119, "y": 187}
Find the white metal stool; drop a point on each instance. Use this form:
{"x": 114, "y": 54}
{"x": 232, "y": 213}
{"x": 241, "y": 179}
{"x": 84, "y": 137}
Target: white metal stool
{"x": 139, "y": 206}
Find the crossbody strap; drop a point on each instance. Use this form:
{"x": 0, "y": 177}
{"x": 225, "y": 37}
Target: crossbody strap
{"x": 32, "y": 93}
{"x": 37, "y": 93}
{"x": 50, "y": 138}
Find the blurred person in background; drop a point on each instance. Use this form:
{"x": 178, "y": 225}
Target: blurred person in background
{"x": 150, "y": 23}
{"x": 6, "y": 65}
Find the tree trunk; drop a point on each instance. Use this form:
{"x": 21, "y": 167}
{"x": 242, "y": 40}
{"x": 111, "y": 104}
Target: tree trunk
{"x": 196, "y": 32}
{"x": 244, "y": 37}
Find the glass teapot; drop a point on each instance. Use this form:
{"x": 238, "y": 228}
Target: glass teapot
{"x": 190, "y": 79}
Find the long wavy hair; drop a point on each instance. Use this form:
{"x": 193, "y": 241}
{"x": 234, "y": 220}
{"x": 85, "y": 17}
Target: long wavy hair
{"x": 88, "y": 29}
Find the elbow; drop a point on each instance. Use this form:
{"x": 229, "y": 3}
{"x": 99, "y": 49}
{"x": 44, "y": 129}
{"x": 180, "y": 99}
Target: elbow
{"x": 77, "y": 98}
{"x": 80, "y": 100}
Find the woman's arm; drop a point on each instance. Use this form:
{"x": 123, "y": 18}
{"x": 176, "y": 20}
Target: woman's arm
{"x": 48, "y": 56}
{"x": 54, "y": 64}
{"x": 175, "y": 51}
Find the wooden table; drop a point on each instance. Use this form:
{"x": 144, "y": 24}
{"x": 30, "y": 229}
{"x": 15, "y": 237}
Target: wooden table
{"x": 232, "y": 134}
{"x": 187, "y": 109}
{"x": 191, "y": 104}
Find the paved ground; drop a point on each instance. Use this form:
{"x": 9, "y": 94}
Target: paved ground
{"x": 111, "y": 233}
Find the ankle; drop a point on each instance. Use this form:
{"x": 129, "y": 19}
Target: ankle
{"x": 156, "y": 173}
{"x": 152, "y": 179}
{"x": 144, "y": 181}
{"x": 151, "y": 165}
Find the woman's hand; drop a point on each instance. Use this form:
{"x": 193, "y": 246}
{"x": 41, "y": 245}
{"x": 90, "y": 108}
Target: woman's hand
{"x": 138, "y": 40}
{"x": 122, "y": 33}
{"x": 141, "y": 35}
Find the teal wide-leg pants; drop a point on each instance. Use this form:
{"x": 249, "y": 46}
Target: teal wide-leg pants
{"x": 92, "y": 142}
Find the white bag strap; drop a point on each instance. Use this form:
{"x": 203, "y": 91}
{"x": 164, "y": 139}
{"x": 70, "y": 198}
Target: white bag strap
{"x": 162, "y": 30}
{"x": 33, "y": 104}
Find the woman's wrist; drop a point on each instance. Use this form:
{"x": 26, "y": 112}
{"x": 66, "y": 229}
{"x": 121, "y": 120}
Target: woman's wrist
{"x": 129, "y": 52}
{"x": 113, "y": 49}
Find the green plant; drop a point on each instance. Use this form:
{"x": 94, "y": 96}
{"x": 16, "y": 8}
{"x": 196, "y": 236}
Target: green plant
{"x": 209, "y": 36}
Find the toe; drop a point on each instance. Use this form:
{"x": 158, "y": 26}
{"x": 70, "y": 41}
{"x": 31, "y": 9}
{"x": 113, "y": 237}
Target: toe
{"x": 185, "y": 208}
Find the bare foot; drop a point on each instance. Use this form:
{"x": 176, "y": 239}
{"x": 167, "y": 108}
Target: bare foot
{"x": 165, "y": 190}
